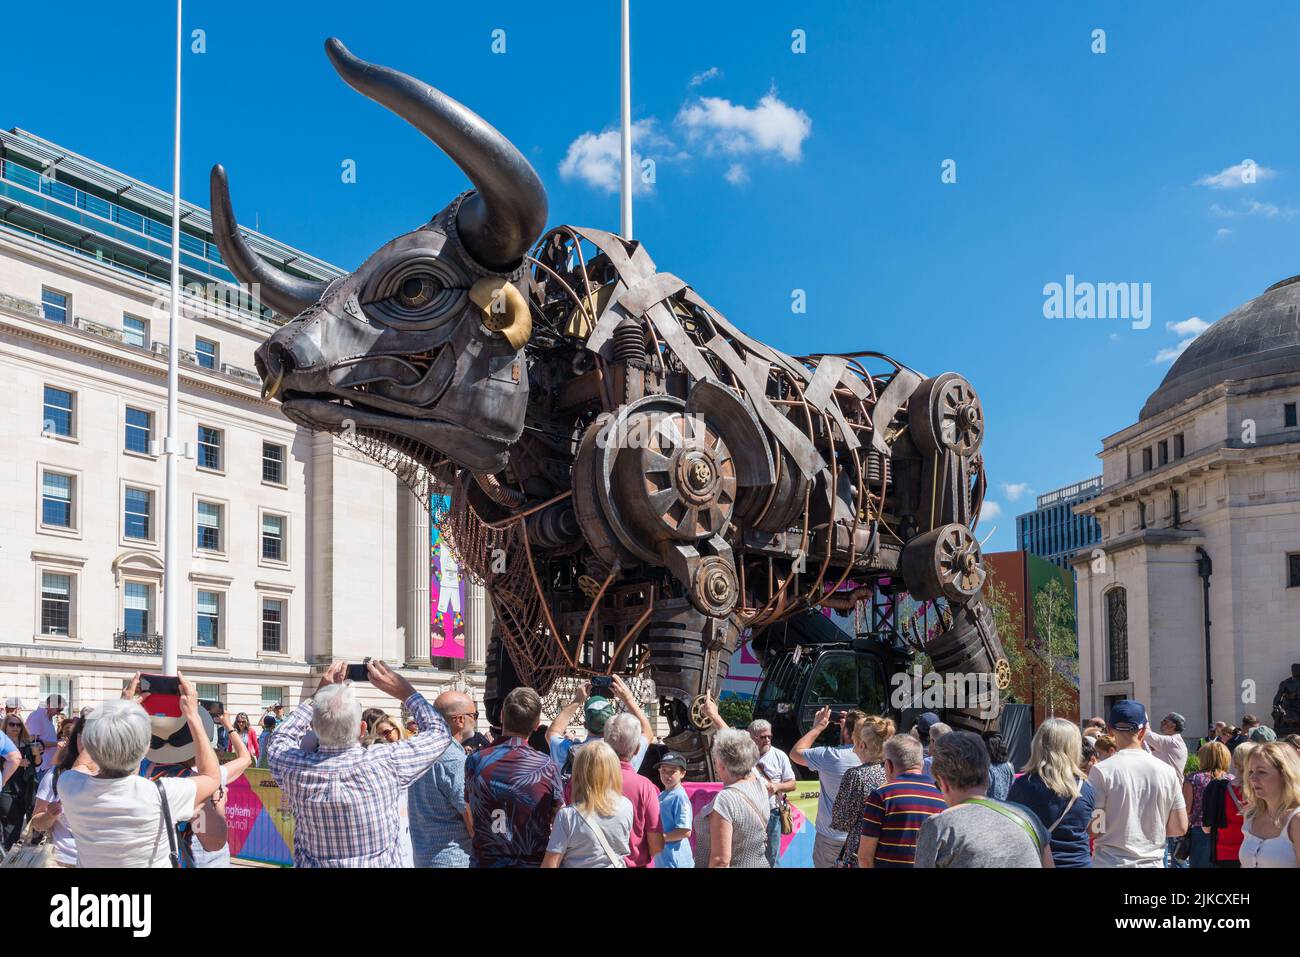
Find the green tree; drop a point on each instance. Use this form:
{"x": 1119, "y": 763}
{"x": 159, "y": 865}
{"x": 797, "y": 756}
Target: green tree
{"x": 736, "y": 711}
{"x": 1010, "y": 624}
{"x": 1057, "y": 643}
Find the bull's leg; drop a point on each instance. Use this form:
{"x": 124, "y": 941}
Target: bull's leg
{"x": 688, "y": 651}
{"x": 968, "y": 655}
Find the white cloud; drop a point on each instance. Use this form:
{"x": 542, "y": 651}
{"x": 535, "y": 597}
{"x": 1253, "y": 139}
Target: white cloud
{"x": 1239, "y": 174}
{"x": 1221, "y": 211}
{"x": 593, "y": 158}
{"x": 772, "y": 127}
{"x": 1013, "y": 490}
{"x": 1269, "y": 210}
{"x": 1222, "y": 233}
{"x": 990, "y": 509}
{"x": 736, "y": 175}
{"x": 1192, "y": 326}
{"x": 1114, "y": 337}
{"x": 704, "y": 77}
{"x": 1170, "y": 354}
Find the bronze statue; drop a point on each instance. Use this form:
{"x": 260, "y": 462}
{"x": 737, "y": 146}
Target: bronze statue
{"x": 635, "y": 478}
{"x": 1286, "y": 705}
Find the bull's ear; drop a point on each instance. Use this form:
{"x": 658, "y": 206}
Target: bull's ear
{"x": 503, "y": 309}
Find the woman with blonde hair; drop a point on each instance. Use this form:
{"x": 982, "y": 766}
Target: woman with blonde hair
{"x": 596, "y": 829}
{"x": 1214, "y": 760}
{"x": 1271, "y": 835}
{"x": 869, "y": 737}
{"x": 1223, "y": 808}
{"x": 1055, "y": 789}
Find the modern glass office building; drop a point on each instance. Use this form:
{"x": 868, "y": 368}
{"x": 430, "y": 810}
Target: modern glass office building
{"x": 1052, "y": 530}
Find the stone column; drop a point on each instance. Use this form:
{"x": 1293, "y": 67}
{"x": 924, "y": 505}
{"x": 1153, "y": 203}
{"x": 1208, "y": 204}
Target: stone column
{"x": 417, "y": 581}
{"x": 476, "y": 627}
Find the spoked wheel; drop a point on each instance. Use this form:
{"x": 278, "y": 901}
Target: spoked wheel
{"x": 944, "y": 414}
{"x": 944, "y": 562}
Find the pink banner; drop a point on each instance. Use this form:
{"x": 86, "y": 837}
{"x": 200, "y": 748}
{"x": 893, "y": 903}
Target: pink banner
{"x": 446, "y": 592}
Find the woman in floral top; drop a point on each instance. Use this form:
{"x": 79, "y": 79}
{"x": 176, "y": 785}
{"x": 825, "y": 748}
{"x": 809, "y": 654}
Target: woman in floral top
{"x": 1214, "y": 760}
{"x": 869, "y": 737}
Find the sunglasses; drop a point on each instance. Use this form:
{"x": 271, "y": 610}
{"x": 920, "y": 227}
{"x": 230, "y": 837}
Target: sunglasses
{"x": 179, "y": 739}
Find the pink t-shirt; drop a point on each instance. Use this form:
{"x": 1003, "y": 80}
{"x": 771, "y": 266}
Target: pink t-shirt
{"x": 645, "y": 814}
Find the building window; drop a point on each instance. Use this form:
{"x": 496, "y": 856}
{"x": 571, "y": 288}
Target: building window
{"x": 61, "y": 688}
{"x": 272, "y": 625}
{"x": 207, "y": 692}
{"x": 57, "y": 492}
{"x": 273, "y": 538}
{"x": 56, "y": 604}
{"x": 1117, "y": 634}
{"x": 1146, "y": 459}
{"x": 60, "y": 405}
{"x": 273, "y": 696}
{"x": 1163, "y": 449}
{"x": 138, "y": 514}
{"x": 272, "y": 463}
{"x": 139, "y": 431}
{"x": 137, "y": 608}
{"x": 1293, "y": 570}
{"x": 210, "y": 441}
{"x": 205, "y": 352}
{"x": 54, "y": 305}
{"x": 135, "y": 332}
{"x": 1289, "y": 415}
{"x": 209, "y": 619}
{"x": 1179, "y": 451}
{"x": 209, "y": 527}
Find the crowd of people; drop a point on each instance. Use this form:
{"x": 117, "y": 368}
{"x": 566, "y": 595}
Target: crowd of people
{"x": 427, "y": 789}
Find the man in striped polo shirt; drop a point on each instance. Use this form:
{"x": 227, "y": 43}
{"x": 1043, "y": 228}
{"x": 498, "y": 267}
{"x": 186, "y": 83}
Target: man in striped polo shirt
{"x": 893, "y": 815}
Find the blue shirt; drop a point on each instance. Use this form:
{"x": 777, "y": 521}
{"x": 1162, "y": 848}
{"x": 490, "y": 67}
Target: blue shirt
{"x": 830, "y": 765}
{"x": 6, "y": 745}
{"x": 675, "y": 815}
{"x": 1070, "y": 837}
{"x": 436, "y": 805}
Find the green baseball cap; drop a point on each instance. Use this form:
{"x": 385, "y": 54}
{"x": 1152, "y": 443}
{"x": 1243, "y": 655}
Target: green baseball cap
{"x": 598, "y": 710}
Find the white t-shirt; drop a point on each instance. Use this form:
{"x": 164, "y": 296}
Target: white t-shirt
{"x": 1136, "y": 794}
{"x": 775, "y": 766}
{"x": 40, "y": 725}
{"x": 65, "y": 845}
{"x": 119, "y": 821}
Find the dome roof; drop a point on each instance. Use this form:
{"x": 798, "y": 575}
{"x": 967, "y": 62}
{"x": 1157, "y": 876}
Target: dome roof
{"x": 1258, "y": 338}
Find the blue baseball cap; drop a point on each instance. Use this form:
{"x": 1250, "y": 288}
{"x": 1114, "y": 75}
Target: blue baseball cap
{"x": 1128, "y": 716}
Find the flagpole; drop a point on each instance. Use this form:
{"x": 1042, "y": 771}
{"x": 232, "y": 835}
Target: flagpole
{"x": 172, "y": 447}
{"x": 626, "y": 137}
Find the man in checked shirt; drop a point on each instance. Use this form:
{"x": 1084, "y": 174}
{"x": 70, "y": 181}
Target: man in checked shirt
{"x": 345, "y": 797}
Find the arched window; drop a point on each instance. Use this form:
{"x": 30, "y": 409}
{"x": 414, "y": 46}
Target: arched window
{"x": 1117, "y": 634}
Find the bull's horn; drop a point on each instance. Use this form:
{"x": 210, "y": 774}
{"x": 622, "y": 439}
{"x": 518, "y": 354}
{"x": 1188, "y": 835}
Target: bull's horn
{"x": 503, "y": 219}
{"x": 287, "y": 295}
{"x": 504, "y": 309}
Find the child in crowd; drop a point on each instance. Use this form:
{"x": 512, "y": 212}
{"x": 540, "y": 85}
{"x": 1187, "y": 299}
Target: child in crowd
{"x": 674, "y": 813}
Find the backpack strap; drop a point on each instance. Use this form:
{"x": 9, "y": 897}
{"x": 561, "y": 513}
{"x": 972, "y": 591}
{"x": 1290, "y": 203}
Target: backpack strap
{"x": 1008, "y": 813}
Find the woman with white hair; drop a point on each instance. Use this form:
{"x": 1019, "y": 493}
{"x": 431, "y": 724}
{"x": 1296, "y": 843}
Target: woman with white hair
{"x": 1057, "y": 791}
{"x": 731, "y": 831}
{"x": 121, "y": 819}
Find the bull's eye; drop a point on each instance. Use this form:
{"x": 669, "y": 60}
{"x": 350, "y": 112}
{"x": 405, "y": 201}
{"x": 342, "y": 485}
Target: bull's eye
{"x": 417, "y": 291}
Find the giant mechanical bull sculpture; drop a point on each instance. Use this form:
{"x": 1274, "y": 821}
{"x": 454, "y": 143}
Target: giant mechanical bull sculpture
{"x": 636, "y": 479}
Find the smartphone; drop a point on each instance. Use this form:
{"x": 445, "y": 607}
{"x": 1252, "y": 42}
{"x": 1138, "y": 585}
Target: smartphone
{"x": 602, "y": 685}
{"x": 358, "y": 673}
{"x": 162, "y": 695}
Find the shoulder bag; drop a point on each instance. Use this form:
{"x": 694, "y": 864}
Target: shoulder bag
{"x": 168, "y": 825}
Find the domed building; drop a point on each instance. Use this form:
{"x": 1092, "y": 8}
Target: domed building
{"x": 1191, "y": 601}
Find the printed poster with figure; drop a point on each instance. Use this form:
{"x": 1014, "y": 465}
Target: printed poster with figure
{"x": 446, "y": 592}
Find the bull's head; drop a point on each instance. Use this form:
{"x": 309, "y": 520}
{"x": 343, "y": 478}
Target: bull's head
{"x": 422, "y": 346}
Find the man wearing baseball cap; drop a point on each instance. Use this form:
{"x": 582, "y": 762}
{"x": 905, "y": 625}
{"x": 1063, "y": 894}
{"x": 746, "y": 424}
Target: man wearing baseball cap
{"x": 596, "y": 711}
{"x": 1138, "y": 798}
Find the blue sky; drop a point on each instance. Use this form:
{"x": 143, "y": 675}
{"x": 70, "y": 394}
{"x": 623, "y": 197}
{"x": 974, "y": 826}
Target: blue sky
{"x": 776, "y": 170}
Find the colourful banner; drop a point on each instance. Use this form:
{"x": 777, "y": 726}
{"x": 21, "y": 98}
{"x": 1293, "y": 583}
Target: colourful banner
{"x": 446, "y": 591}
{"x": 259, "y": 820}
{"x": 796, "y": 847}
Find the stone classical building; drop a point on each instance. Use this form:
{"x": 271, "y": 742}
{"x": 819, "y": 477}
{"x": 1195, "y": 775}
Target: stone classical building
{"x": 1191, "y": 601}
{"x": 297, "y": 550}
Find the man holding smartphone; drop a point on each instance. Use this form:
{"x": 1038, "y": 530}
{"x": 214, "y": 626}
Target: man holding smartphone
{"x": 345, "y": 798}
{"x": 597, "y": 710}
